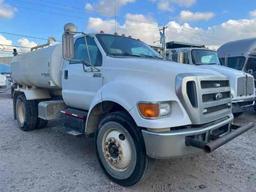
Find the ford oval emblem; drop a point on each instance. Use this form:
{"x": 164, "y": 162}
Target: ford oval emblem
{"x": 218, "y": 96}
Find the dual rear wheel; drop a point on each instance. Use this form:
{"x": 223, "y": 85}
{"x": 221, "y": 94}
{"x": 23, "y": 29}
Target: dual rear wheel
{"x": 26, "y": 113}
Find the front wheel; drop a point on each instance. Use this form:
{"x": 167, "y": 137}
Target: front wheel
{"x": 120, "y": 149}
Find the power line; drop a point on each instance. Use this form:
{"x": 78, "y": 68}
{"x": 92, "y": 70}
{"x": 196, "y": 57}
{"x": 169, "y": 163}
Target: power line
{"x": 55, "y": 11}
{"x": 59, "y": 6}
{"x": 22, "y": 35}
{"x": 14, "y": 46}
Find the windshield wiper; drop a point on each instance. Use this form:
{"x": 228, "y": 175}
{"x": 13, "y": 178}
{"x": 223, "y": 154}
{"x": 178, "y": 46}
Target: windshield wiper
{"x": 133, "y": 55}
{"x": 124, "y": 55}
{"x": 150, "y": 56}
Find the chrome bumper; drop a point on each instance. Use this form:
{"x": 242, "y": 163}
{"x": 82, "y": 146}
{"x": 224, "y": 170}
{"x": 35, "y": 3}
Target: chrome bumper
{"x": 173, "y": 143}
{"x": 240, "y": 105}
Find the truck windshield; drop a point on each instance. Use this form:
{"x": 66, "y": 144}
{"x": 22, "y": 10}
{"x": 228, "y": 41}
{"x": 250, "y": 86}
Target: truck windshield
{"x": 205, "y": 57}
{"x": 236, "y": 62}
{"x": 120, "y": 46}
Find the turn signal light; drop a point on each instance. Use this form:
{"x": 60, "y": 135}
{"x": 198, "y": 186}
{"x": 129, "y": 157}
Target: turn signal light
{"x": 149, "y": 110}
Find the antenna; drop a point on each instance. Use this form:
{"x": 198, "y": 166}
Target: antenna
{"x": 163, "y": 39}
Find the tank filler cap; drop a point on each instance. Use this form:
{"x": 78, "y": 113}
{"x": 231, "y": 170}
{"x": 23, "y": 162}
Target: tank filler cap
{"x": 70, "y": 28}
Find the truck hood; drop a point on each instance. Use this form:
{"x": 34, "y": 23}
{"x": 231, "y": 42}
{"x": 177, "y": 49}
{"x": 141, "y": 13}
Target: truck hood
{"x": 161, "y": 66}
{"x": 229, "y": 72}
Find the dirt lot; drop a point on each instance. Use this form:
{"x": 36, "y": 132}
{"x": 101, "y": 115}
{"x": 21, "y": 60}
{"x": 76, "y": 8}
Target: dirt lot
{"x": 49, "y": 160}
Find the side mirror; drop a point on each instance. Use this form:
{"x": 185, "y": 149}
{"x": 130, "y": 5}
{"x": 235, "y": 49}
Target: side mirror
{"x": 68, "y": 41}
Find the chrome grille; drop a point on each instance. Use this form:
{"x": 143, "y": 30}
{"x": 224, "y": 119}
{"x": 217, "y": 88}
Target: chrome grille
{"x": 245, "y": 86}
{"x": 250, "y": 85}
{"x": 216, "y": 96}
{"x": 205, "y": 98}
{"x": 241, "y": 86}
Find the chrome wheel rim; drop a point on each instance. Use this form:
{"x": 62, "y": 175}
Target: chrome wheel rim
{"x": 117, "y": 150}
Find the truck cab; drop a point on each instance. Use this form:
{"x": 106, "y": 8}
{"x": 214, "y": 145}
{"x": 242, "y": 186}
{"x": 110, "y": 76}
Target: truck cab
{"x": 239, "y": 55}
{"x": 242, "y": 84}
{"x": 120, "y": 91}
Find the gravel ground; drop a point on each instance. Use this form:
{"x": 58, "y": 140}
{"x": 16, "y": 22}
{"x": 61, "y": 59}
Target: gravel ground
{"x": 49, "y": 160}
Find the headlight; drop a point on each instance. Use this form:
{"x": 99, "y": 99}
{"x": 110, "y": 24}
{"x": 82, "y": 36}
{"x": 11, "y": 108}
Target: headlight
{"x": 154, "y": 110}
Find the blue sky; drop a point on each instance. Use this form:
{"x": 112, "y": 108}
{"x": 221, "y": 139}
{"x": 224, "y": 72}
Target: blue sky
{"x": 200, "y": 21}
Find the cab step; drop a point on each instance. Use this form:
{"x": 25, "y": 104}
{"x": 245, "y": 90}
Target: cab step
{"x": 74, "y": 121}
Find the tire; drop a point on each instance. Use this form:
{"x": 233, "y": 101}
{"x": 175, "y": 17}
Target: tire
{"x": 26, "y": 113}
{"x": 120, "y": 149}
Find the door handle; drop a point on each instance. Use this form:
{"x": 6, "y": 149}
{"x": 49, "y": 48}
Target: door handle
{"x": 97, "y": 75}
{"x": 66, "y": 74}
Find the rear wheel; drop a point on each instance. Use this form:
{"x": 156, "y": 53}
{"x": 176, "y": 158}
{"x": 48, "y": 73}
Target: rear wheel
{"x": 120, "y": 149}
{"x": 26, "y": 113}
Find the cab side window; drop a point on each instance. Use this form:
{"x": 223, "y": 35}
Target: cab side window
{"x": 236, "y": 62}
{"x": 92, "y": 55}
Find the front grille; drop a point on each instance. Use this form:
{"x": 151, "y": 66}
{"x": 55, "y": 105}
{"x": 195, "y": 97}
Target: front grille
{"x": 205, "y": 98}
{"x": 212, "y": 84}
{"x": 216, "y": 108}
{"x": 245, "y": 86}
{"x": 241, "y": 86}
{"x": 215, "y": 96}
{"x": 250, "y": 85}
{"x": 212, "y": 96}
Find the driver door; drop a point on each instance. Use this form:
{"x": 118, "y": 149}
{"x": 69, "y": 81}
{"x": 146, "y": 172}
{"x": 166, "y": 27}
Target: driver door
{"x": 80, "y": 83}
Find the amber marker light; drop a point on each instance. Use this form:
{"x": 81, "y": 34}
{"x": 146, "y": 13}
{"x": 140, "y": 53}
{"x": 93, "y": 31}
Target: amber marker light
{"x": 149, "y": 110}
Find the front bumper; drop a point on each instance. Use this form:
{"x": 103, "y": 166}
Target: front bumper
{"x": 242, "y": 105}
{"x": 173, "y": 143}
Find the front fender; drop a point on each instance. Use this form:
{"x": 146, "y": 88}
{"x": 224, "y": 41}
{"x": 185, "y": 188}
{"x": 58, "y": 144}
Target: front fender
{"x": 128, "y": 93}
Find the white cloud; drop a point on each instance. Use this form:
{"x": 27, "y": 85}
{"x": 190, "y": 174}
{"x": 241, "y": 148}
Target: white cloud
{"x": 108, "y": 7}
{"x": 138, "y": 26}
{"x": 6, "y": 11}
{"x": 167, "y": 5}
{"x": 26, "y": 45}
{"x": 146, "y": 29}
{"x": 164, "y": 6}
{"x": 195, "y": 16}
{"x": 7, "y": 46}
{"x": 253, "y": 13}
{"x": 88, "y": 7}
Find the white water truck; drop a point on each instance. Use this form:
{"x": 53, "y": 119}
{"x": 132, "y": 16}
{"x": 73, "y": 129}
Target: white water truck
{"x": 119, "y": 90}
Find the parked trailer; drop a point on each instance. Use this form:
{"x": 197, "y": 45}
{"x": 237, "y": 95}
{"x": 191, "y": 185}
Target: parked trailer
{"x": 120, "y": 90}
{"x": 241, "y": 83}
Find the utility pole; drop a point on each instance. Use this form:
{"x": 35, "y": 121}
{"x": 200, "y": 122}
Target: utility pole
{"x": 163, "y": 39}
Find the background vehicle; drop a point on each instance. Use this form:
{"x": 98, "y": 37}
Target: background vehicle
{"x": 119, "y": 89}
{"x": 240, "y": 55}
{"x": 5, "y": 77}
{"x": 242, "y": 84}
